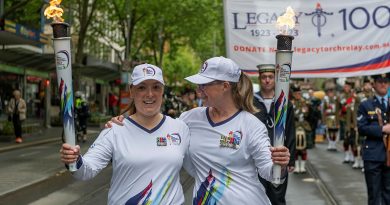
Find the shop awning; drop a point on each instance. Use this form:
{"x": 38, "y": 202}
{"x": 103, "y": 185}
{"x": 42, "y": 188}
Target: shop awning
{"x": 17, "y": 34}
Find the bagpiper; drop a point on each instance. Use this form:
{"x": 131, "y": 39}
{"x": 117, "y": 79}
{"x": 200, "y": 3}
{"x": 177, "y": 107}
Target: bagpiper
{"x": 302, "y": 129}
{"x": 331, "y": 117}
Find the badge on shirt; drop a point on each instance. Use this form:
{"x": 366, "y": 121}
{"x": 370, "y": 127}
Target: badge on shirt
{"x": 174, "y": 139}
{"x": 170, "y": 139}
{"x": 161, "y": 141}
{"x": 233, "y": 140}
{"x": 371, "y": 113}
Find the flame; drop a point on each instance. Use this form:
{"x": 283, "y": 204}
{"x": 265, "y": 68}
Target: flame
{"x": 286, "y": 22}
{"x": 54, "y": 11}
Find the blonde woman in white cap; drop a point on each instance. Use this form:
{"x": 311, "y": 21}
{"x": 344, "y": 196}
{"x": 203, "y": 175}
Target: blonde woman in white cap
{"x": 147, "y": 152}
{"x": 229, "y": 146}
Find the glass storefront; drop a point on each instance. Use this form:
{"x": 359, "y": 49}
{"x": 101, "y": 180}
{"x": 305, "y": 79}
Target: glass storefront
{"x": 8, "y": 83}
{"x": 35, "y": 96}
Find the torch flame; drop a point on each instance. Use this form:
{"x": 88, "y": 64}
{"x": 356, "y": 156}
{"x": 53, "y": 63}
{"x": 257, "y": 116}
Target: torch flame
{"x": 286, "y": 22}
{"x": 54, "y": 11}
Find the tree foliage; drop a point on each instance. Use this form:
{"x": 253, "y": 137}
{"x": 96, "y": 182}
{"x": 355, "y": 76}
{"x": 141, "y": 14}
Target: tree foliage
{"x": 159, "y": 27}
{"x": 24, "y": 12}
{"x": 177, "y": 35}
{"x": 181, "y": 65}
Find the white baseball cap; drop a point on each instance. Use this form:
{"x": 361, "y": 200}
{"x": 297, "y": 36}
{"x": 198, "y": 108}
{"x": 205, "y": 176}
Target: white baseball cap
{"x": 146, "y": 72}
{"x": 217, "y": 68}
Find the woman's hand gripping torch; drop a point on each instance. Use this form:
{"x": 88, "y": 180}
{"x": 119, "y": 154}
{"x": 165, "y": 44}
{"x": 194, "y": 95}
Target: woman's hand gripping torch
{"x": 282, "y": 81}
{"x": 61, "y": 41}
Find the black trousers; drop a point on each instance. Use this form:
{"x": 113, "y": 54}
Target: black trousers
{"x": 83, "y": 124}
{"x": 17, "y": 125}
{"x": 277, "y": 195}
{"x": 377, "y": 176}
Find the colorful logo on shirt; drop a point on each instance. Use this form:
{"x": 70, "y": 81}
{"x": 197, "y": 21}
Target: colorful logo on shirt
{"x": 161, "y": 141}
{"x": 174, "y": 139}
{"x": 170, "y": 139}
{"x": 233, "y": 140}
{"x": 143, "y": 197}
{"x": 211, "y": 190}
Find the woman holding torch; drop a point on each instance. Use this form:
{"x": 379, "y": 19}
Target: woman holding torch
{"x": 147, "y": 152}
{"x": 229, "y": 146}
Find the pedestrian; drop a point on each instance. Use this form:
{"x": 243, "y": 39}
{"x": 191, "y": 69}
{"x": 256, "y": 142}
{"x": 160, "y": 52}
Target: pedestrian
{"x": 147, "y": 152}
{"x": 17, "y": 110}
{"x": 82, "y": 115}
{"x": 112, "y": 104}
{"x": 264, "y": 100}
{"x": 373, "y": 122}
{"x": 229, "y": 146}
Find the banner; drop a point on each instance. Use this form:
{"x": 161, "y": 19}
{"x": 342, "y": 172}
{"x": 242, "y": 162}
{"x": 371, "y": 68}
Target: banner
{"x": 332, "y": 38}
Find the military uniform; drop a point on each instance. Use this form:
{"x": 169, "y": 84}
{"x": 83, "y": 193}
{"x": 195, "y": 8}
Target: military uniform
{"x": 349, "y": 105}
{"x": 372, "y": 116}
{"x": 331, "y": 118}
{"x": 303, "y": 131}
{"x": 364, "y": 95}
{"x": 266, "y": 115}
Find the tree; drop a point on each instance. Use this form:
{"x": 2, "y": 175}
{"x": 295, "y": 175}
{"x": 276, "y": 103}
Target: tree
{"x": 85, "y": 14}
{"x": 181, "y": 65}
{"x": 152, "y": 29}
{"x": 24, "y": 12}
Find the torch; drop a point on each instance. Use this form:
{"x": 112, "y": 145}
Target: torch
{"x": 282, "y": 81}
{"x": 61, "y": 42}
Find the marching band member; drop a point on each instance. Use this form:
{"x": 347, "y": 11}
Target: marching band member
{"x": 331, "y": 117}
{"x": 303, "y": 129}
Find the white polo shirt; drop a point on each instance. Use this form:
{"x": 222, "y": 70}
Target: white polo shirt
{"x": 227, "y": 157}
{"x": 146, "y": 163}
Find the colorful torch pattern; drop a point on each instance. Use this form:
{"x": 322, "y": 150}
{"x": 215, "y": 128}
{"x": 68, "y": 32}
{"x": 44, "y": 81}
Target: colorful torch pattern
{"x": 282, "y": 82}
{"x": 61, "y": 41}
